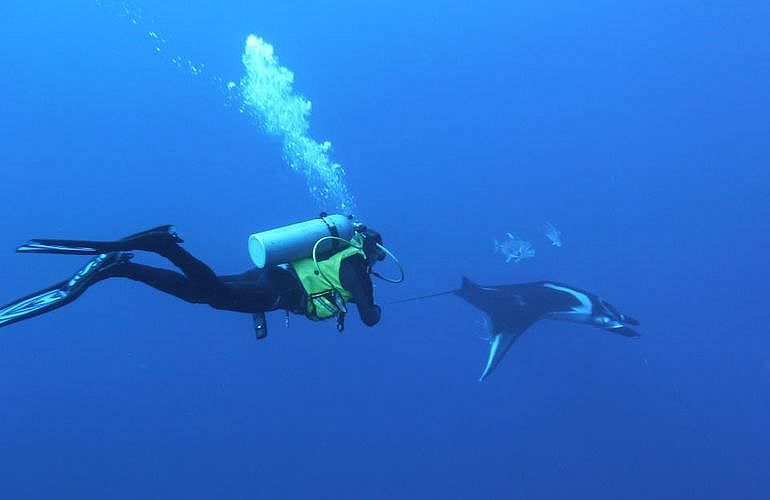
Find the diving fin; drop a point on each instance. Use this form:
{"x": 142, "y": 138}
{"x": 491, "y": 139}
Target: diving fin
{"x": 71, "y": 247}
{"x": 150, "y": 240}
{"x": 34, "y": 304}
{"x": 61, "y": 293}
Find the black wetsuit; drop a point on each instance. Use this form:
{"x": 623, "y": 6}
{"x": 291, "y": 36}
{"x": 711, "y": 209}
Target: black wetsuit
{"x": 254, "y": 291}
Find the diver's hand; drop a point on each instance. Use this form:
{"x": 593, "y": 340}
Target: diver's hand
{"x": 370, "y": 315}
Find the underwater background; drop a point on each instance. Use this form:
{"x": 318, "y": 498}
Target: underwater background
{"x": 639, "y": 129}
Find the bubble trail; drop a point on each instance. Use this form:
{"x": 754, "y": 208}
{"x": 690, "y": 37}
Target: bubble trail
{"x": 268, "y": 95}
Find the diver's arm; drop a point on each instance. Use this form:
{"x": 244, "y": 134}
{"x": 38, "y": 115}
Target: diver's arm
{"x": 355, "y": 278}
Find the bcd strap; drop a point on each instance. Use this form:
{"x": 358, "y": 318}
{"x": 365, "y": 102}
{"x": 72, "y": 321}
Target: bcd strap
{"x": 333, "y": 231}
{"x": 340, "y": 322}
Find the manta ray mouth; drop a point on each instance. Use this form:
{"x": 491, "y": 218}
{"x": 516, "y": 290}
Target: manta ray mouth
{"x": 626, "y": 332}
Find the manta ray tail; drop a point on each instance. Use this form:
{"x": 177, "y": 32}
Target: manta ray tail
{"x": 421, "y": 297}
{"x": 466, "y": 286}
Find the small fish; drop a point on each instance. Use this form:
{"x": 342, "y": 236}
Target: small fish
{"x": 553, "y": 234}
{"x": 514, "y": 249}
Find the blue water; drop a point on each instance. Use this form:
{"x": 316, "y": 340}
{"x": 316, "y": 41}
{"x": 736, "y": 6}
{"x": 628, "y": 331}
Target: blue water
{"x": 639, "y": 129}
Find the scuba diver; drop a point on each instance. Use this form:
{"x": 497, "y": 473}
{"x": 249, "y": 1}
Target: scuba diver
{"x": 313, "y": 268}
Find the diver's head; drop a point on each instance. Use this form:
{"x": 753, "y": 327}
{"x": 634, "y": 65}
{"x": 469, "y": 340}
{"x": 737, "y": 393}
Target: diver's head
{"x": 375, "y": 251}
{"x": 372, "y": 242}
{"x": 372, "y": 246}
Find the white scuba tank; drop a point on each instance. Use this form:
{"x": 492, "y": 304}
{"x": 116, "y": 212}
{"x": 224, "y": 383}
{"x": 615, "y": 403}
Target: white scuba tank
{"x": 286, "y": 244}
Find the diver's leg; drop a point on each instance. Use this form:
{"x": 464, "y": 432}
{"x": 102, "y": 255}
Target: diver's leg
{"x": 247, "y": 292}
{"x": 201, "y": 275}
{"x": 163, "y": 280}
{"x": 161, "y": 240}
{"x": 199, "y": 284}
{"x": 62, "y": 293}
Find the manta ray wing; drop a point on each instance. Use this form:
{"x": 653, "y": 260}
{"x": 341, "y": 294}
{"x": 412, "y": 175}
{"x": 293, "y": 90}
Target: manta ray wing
{"x": 512, "y": 309}
{"x": 503, "y": 339}
{"x": 499, "y": 345}
{"x": 509, "y": 313}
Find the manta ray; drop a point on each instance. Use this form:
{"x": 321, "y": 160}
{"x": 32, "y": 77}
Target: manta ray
{"x": 512, "y": 309}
